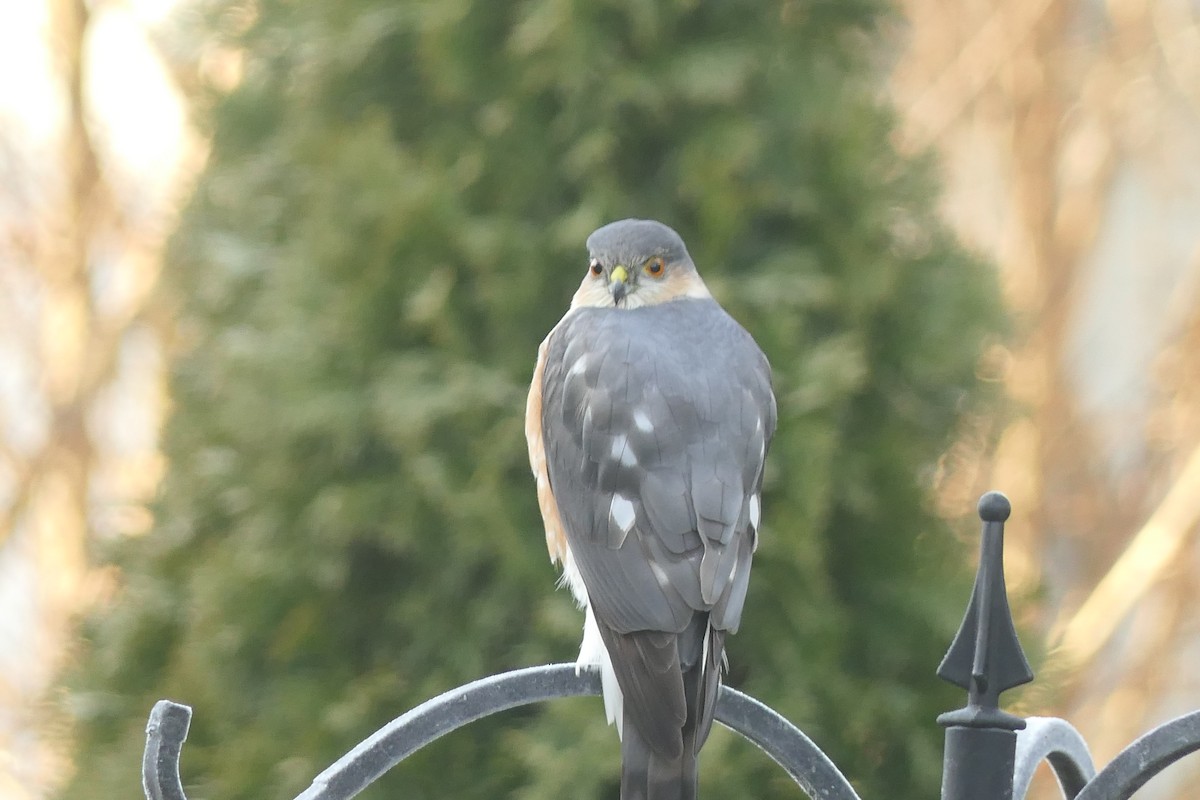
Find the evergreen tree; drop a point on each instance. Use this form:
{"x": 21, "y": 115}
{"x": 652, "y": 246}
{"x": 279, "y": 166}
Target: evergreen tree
{"x": 391, "y": 219}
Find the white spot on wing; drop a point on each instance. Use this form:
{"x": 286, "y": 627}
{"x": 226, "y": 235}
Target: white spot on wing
{"x": 621, "y": 451}
{"x": 660, "y": 574}
{"x": 755, "y": 511}
{"x": 621, "y": 511}
{"x": 578, "y": 367}
{"x": 618, "y": 447}
{"x": 641, "y": 420}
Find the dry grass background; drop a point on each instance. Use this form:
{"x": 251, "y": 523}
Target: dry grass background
{"x": 94, "y": 156}
{"x": 1069, "y": 134}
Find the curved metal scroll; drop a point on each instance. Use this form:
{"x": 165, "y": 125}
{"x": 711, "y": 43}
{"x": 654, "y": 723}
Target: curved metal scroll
{"x": 165, "y": 733}
{"x": 1056, "y": 741}
{"x": 1145, "y": 758}
{"x": 785, "y": 744}
{"x": 401, "y": 737}
{"x": 447, "y": 712}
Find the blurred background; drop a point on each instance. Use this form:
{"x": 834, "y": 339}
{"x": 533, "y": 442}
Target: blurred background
{"x": 272, "y": 278}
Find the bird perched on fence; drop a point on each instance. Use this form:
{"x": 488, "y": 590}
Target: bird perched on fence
{"x": 648, "y": 423}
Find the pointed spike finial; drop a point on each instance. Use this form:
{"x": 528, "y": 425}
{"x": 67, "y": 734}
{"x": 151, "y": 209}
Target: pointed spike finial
{"x": 985, "y": 657}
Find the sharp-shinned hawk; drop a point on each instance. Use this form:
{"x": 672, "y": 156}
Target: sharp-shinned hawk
{"x": 648, "y": 423}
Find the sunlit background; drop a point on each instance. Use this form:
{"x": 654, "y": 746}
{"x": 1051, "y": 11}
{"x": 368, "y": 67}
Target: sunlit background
{"x": 1069, "y": 139}
{"x": 95, "y": 152}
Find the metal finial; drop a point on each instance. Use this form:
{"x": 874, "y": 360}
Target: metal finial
{"x": 994, "y": 507}
{"x": 986, "y": 657}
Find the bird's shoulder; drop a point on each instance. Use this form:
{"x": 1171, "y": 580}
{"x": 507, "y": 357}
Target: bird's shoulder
{"x": 697, "y": 332}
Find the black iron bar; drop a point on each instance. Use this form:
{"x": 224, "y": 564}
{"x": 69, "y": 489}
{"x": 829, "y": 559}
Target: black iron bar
{"x": 989, "y": 754}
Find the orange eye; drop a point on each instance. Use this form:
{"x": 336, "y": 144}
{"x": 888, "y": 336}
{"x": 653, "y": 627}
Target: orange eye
{"x": 596, "y": 267}
{"x": 654, "y": 267}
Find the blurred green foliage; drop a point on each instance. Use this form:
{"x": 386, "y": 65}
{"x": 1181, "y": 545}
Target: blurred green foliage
{"x": 391, "y": 219}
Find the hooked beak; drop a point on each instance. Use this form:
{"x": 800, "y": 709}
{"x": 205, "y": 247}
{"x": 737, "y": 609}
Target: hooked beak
{"x": 618, "y": 284}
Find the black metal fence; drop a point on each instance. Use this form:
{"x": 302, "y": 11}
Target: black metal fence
{"x": 989, "y": 754}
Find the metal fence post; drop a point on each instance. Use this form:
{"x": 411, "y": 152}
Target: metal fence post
{"x": 985, "y": 659}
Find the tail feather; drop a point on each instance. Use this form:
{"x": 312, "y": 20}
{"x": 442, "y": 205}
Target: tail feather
{"x": 709, "y": 684}
{"x": 664, "y": 728}
{"x": 646, "y": 775}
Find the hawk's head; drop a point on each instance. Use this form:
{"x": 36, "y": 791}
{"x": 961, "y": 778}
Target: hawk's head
{"x": 637, "y": 262}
